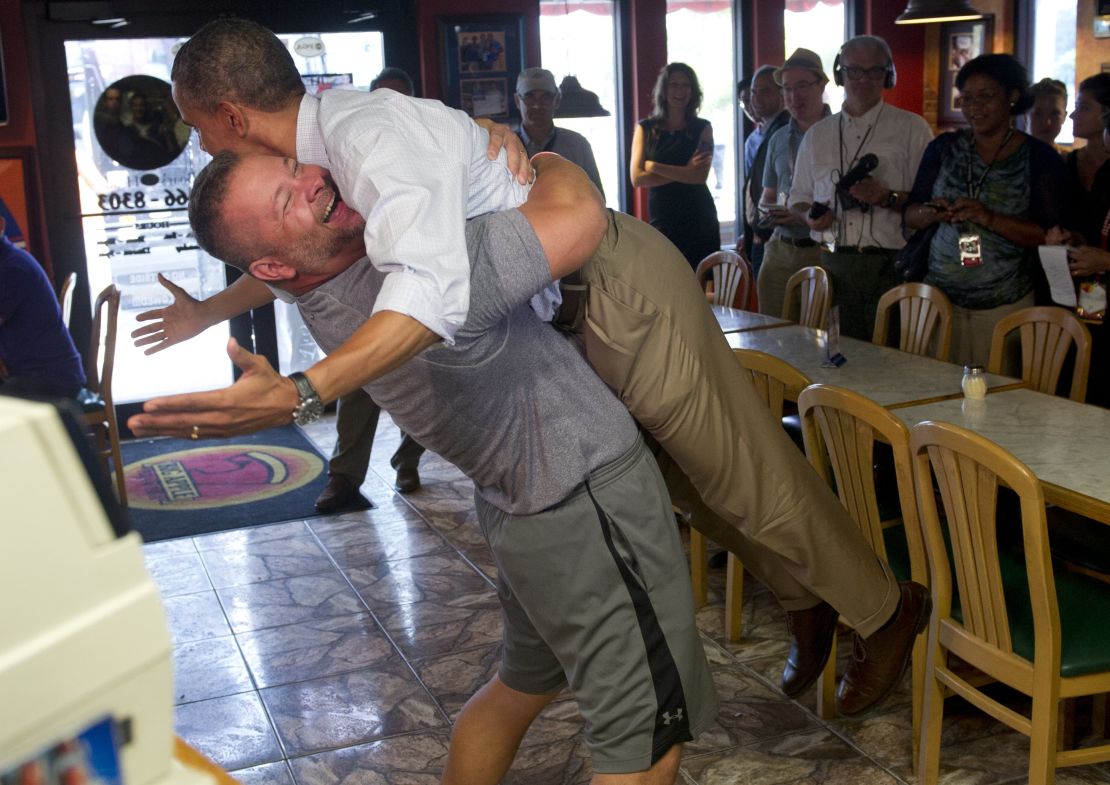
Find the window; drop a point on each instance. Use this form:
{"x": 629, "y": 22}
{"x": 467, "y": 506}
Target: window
{"x": 817, "y": 25}
{"x": 578, "y": 39}
{"x": 700, "y": 34}
{"x": 1054, "y": 50}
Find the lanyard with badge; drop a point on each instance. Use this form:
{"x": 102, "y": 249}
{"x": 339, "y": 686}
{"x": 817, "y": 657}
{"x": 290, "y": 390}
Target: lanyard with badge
{"x": 971, "y": 243}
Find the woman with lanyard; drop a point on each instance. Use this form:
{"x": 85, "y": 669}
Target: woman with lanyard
{"x": 994, "y": 191}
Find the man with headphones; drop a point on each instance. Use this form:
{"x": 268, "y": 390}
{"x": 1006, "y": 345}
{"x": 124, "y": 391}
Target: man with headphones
{"x": 851, "y": 179}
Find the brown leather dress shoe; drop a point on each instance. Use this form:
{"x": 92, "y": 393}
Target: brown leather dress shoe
{"x": 340, "y": 492}
{"x": 812, "y": 631}
{"x": 879, "y": 661}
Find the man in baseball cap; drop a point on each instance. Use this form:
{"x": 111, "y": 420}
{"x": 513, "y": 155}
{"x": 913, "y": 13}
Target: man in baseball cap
{"x": 537, "y": 98}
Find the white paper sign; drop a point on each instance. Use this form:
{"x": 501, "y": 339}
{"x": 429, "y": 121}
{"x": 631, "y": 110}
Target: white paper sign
{"x": 1054, "y": 260}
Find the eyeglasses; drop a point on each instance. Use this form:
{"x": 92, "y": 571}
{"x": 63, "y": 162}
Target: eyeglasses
{"x": 538, "y": 97}
{"x": 979, "y": 99}
{"x": 855, "y": 72}
{"x": 787, "y": 89}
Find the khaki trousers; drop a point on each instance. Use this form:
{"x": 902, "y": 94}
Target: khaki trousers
{"x": 650, "y": 335}
{"x": 780, "y": 261}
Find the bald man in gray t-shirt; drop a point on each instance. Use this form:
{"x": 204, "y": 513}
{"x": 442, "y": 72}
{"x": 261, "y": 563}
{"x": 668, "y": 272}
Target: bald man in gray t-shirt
{"x": 591, "y": 573}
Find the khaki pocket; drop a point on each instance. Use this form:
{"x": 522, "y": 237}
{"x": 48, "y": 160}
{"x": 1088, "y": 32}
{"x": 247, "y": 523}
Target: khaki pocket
{"x": 614, "y": 336}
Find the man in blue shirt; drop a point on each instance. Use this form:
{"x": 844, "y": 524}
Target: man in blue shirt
{"x": 37, "y": 355}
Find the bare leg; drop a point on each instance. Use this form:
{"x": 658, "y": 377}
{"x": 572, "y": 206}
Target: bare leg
{"x": 488, "y": 731}
{"x": 664, "y": 772}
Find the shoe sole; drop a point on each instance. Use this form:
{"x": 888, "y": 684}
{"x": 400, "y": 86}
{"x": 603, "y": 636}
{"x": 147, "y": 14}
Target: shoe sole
{"x": 921, "y": 624}
{"x": 817, "y": 673}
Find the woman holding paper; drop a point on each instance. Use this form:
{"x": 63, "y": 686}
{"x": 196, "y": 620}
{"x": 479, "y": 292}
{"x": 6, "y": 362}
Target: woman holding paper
{"x": 994, "y": 191}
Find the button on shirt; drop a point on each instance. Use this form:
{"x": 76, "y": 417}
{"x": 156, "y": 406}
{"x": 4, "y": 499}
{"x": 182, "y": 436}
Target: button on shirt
{"x": 569, "y": 144}
{"x": 831, "y": 146}
{"x": 415, "y": 170}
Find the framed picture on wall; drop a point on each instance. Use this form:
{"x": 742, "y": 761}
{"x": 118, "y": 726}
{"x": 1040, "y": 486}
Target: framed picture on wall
{"x": 17, "y": 199}
{"x": 3, "y": 87}
{"x": 959, "y": 42}
{"x": 482, "y": 55}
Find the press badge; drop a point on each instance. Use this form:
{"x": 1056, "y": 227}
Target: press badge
{"x": 971, "y": 250}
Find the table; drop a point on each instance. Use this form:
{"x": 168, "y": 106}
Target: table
{"x": 735, "y": 320}
{"x": 888, "y": 376}
{"x": 1063, "y": 442}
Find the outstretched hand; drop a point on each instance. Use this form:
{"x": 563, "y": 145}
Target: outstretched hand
{"x": 516, "y": 157}
{"x": 177, "y": 322}
{"x": 261, "y": 398}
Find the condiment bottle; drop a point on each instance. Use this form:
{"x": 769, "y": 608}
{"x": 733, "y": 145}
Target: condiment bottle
{"x": 974, "y": 383}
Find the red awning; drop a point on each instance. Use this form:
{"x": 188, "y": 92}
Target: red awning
{"x": 800, "y": 6}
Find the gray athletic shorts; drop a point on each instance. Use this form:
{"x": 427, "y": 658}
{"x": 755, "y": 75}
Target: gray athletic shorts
{"x": 595, "y": 595}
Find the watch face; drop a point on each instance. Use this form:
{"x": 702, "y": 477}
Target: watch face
{"x": 308, "y": 411}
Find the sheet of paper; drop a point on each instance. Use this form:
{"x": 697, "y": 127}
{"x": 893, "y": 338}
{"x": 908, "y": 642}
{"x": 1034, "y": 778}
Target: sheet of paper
{"x": 1054, "y": 260}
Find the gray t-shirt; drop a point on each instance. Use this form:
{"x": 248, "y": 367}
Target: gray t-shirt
{"x": 512, "y": 403}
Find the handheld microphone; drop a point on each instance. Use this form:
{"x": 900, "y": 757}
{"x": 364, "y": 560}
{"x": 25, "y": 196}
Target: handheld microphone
{"x": 861, "y": 171}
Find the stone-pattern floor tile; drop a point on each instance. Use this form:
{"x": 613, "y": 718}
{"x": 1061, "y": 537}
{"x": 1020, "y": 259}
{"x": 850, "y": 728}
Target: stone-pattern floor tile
{"x": 355, "y": 542}
{"x": 288, "y": 601}
{"x": 453, "y": 678}
{"x": 413, "y": 759}
{"x": 266, "y": 774}
{"x": 193, "y": 617}
{"x": 233, "y": 731}
{"x": 439, "y": 578}
{"x": 178, "y": 574}
{"x": 424, "y": 629}
{"x": 749, "y": 711}
{"x": 310, "y": 650}
{"x": 266, "y": 560}
{"x": 209, "y": 668}
{"x": 351, "y": 708}
{"x": 178, "y": 547}
{"x": 241, "y": 538}
{"x": 813, "y": 758}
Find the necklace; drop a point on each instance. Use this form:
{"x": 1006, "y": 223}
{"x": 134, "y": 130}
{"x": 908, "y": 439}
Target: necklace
{"x": 973, "y": 188}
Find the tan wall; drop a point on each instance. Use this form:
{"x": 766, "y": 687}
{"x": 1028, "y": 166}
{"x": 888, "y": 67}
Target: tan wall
{"x": 1090, "y": 52}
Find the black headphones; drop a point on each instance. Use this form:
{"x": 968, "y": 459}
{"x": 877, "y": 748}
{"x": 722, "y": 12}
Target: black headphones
{"x": 889, "y": 80}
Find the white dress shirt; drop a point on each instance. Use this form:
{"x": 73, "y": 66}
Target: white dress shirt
{"x": 830, "y": 148}
{"x": 415, "y": 170}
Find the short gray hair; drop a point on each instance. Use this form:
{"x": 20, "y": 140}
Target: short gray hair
{"x": 872, "y": 42}
{"x": 236, "y": 60}
{"x": 206, "y": 205}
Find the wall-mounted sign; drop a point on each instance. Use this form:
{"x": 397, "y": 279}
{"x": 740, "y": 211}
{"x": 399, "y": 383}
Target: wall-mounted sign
{"x": 309, "y": 46}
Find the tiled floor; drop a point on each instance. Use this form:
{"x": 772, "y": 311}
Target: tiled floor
{"x": 337, "y": 651}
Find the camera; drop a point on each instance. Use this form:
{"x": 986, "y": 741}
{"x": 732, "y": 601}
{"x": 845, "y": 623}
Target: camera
{"x": 861, "y": 171}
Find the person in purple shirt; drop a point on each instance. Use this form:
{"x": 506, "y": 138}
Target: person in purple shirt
{"x": 37, "y": 355}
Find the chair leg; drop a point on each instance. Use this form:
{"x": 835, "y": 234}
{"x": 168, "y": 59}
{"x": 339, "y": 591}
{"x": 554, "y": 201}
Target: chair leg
{"x": 826, "y": 685}
{"x": 734, "y": 598}
{"x": 117, "y": 458}
{"x": 917, "y": 665}
{"x": 1099, "y": 715}
{"x": 699, "y": 566}
{"x": 1065, "y": 735}
{"x": 932, "y": 718}
{"x": 1043, "y": 734}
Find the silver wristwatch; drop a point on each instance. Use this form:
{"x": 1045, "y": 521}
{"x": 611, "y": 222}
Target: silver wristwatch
{"x": 311, "y": 407}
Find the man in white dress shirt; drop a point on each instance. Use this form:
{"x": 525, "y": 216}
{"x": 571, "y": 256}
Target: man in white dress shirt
{"x": 864, "y": 220}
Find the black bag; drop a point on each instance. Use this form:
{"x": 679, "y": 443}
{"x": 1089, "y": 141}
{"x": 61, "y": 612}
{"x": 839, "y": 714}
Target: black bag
{"x": 913, "y": 260}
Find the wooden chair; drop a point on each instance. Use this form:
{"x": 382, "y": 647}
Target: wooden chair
{"x": 1047, "y": 332}
{"x": 923, "y": 310}
{"x": 814, "y": 297}
{"x": 841, "y": 429}
{"x": 1043, "y": 634}
{"x": 731, "y": 276}
{"x": 65, "y": 296}
{"x": 99, "y": 411}
{"x": 777, "y": 381}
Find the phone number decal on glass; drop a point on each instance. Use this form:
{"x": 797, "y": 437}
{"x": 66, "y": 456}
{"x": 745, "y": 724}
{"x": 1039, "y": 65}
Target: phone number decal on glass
{"x": 141, "y": 200}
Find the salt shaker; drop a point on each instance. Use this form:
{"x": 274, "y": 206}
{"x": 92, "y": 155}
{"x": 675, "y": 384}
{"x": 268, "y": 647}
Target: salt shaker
{"x": 974, "y": 383}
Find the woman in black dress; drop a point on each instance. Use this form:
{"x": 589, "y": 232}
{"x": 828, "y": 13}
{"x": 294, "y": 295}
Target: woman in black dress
{"x": 672, "y": 152}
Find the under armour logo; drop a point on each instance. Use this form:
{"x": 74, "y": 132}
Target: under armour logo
{"x": 667, "y": 716}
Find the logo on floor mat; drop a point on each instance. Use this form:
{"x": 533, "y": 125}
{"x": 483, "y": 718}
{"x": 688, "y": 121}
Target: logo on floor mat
{"x": 219, "y": 476}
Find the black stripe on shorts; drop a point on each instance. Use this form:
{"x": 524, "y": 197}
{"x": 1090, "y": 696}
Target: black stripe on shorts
{"x": 672, "y": 719}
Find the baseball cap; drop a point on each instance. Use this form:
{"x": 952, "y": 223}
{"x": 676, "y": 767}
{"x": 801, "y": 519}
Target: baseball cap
{"x": 536, "y": 79}
{"x": 802, "y": 58}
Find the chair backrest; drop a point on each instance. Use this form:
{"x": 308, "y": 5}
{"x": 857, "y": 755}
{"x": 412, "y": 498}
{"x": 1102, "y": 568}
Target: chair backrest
{"x": 840, "y": 429}
{"x": 776, "y": 380}
{"x": 814, "y": 296}
{"x": 968, "y": 470}
{"x": 65, "y": 296}
{"x": 1047, "y": 332}
{"x": 731, "y": 276}
{"x": 923, "y": 310}
{"x": 101, "y": 358}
